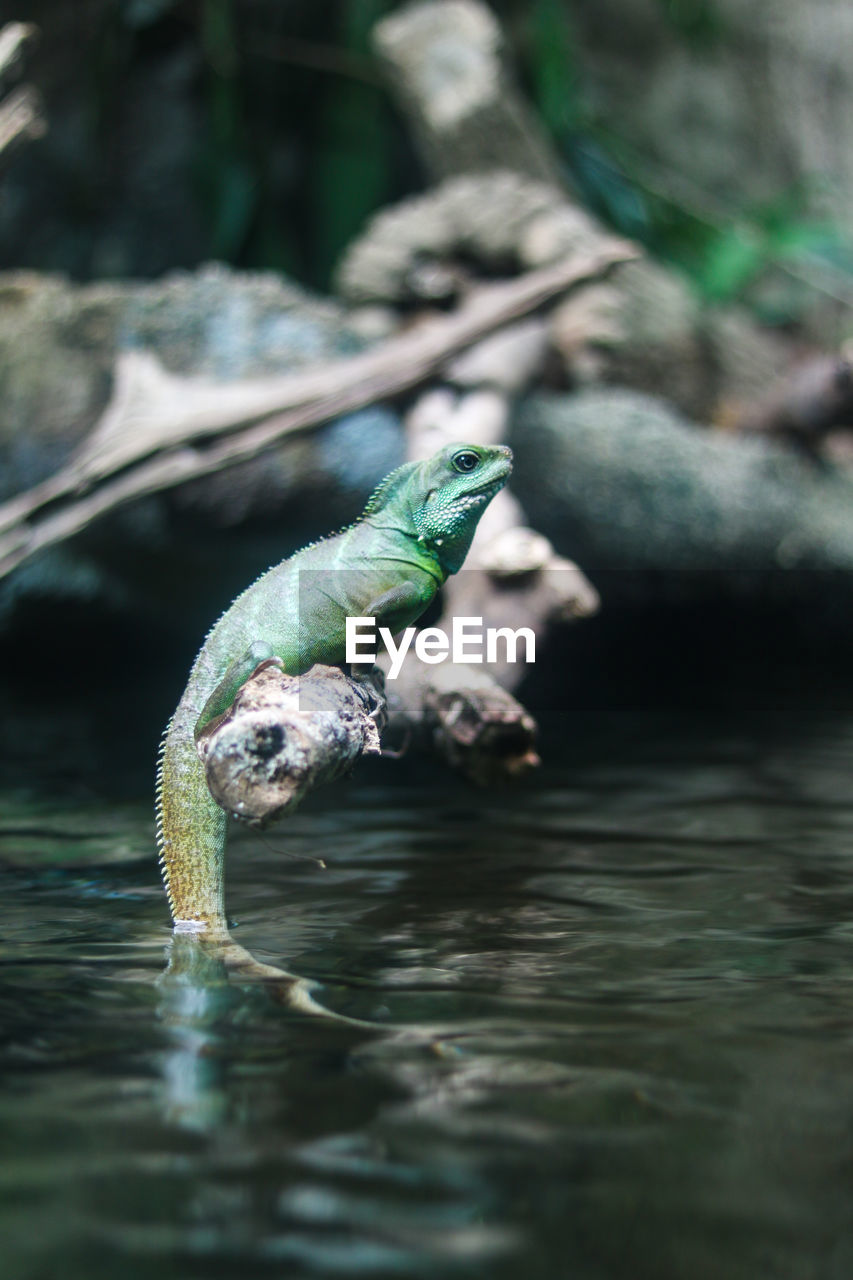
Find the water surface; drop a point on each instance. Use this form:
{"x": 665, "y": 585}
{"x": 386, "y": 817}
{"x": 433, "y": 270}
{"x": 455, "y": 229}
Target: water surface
{"x": 626, "y": 991}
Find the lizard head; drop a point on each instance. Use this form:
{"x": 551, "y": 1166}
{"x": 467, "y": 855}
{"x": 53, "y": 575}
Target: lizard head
{"x": 450, "y": 491}
{"x": 442, "y": 498}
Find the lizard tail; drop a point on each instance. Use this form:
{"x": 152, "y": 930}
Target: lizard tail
{"x": 190, "y": 834}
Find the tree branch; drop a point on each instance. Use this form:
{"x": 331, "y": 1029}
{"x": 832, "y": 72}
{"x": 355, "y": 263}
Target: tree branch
{"x": 160, "y": 430}
{"x": 285, "y": 735}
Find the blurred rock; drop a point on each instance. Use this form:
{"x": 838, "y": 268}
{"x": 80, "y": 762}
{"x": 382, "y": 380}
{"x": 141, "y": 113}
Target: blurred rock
{"x": 619, "y": 481}
{"x": 737, "y": 107}
{"x": 58, "y": 343}
{"x": 646, "y": 329}
{"x": 481, "y": 218}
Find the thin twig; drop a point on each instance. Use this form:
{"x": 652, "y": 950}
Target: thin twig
{"x": 14, "y": 38}
{"x": 21, "y": 116}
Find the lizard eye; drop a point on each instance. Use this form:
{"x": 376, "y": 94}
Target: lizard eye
{"x": 465, "y": 460}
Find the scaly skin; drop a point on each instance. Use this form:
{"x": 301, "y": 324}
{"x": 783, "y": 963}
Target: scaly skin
{"x": 415, "y": 531}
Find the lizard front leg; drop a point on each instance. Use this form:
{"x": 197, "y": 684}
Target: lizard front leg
{"x": 236, "y": 674}
{"x": 395, "y": 609}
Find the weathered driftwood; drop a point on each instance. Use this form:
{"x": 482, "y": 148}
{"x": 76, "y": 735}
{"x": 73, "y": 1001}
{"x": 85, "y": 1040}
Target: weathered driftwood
{"x": 285, "y": 735}
{"x": 159, "y": 431}
{"x": 445, "y": 62}
{"x": 462, "y": 715}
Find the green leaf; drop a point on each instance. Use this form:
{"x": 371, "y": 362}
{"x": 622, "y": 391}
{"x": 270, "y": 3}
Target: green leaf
{"x": 731, "y": 261}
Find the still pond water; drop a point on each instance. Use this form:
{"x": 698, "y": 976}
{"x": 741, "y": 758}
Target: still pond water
{"x": 613, "y": 1008}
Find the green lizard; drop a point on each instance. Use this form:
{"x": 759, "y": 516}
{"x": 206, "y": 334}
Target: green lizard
{"x": 415, "y": 530}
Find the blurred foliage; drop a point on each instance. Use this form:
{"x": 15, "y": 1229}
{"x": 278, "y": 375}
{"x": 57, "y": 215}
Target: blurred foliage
{"x": 723, "y": 251}
{"x": 698, "y": 21}
{"x": 297, "y": 147}
{"x": 277, "y": 139}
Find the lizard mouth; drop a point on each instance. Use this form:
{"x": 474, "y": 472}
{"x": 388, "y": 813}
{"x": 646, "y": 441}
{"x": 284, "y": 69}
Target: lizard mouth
{"x": 482, "y": 495}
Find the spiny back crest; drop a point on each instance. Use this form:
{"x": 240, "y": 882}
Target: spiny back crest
{"x": 389, "y": 487}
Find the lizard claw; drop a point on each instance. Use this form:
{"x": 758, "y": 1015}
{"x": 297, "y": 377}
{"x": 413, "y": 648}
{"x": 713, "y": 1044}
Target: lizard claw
{"x": 268, "y": 662}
